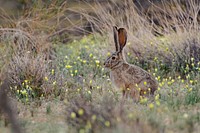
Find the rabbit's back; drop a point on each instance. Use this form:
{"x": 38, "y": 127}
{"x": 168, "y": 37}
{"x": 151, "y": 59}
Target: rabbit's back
{"x": 127, "y": 76}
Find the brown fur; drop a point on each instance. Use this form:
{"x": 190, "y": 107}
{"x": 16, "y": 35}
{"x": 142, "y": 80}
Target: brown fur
{"x": 131, "y": 79}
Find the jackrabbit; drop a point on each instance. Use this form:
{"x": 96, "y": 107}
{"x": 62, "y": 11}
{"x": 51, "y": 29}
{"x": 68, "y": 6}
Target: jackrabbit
{"x": 133, "y": 80}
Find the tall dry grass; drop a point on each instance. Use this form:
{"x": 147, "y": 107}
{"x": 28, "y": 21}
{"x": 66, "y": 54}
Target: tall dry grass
{"x": 26, "y": 53}
{"x": 168, "y": 30}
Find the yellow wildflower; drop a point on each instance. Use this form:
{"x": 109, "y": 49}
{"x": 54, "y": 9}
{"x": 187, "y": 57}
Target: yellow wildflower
{"x": 157, "y": 97}
{"x": 80, "y": 111}
{"x": 107, "y": 123}
{"x": 158, "y": 103}
{"x": 46, "y": 78}
{"x": 73, "y": 115}
{"x": 108, "y": 54}
{"x": 97, "y": 61}
{"x": 52, "y": 71}
{"x": 84, "y": 61}
{"x": 54, "y": 83}
{"x": 190, "y": 89}
{"x": 151, "y": 105}
{"x": 68, "y": 66}
{"x": 94, "y": 117}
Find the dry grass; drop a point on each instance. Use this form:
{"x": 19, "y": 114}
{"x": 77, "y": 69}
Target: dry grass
{"x": 169, "y": 30}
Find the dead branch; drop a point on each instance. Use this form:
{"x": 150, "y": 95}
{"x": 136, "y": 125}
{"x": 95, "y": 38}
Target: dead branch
{"x": 5, "y": 106}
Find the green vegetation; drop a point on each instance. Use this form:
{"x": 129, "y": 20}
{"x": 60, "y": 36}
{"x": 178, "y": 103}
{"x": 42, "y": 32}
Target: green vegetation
{"x": 63, "y": 87}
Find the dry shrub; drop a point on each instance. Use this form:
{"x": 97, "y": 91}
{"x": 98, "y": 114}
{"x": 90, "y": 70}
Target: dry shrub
{"x": 26, "y": 53}
{"x": 27, "y": 60}
{"x": 106, "y": 113}
{"x": 89, "y": 114}
{"x": 184, "y": 53}
{"x": 19, "y": 42}
{"x": 27, "y": 70}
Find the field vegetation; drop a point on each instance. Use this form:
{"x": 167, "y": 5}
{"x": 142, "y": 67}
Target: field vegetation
{"x": 58, "y": 83}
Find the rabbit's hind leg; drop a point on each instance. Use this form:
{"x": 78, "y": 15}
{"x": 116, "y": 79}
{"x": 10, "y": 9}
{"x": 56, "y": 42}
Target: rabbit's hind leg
{"x": 135, "y": 94}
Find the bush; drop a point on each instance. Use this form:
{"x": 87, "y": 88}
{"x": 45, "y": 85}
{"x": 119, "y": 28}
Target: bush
{"x": 27, "y": 64}
{"x": 27, "y": 75}
{"x": 90, "y": 114}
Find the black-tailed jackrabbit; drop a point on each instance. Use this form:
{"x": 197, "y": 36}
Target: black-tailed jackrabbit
{"x": 133, "y": 80}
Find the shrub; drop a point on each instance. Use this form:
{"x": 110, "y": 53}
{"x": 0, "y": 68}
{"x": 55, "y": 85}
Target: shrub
{"x": 27, "y": 75}
{"x": 27, "y": 64}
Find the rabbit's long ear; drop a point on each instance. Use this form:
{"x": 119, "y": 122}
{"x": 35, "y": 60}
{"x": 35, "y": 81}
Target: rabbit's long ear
{"x": 122, "y": 35}
{"x": 116, "y": 38}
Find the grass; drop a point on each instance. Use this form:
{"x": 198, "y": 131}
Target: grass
{"x": 90, "y": 103}
{"x": 72, "y": 91}
{"x": 174, "y": 94}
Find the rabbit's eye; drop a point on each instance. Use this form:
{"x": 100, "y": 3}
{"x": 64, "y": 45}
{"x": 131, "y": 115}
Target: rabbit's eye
{"x": 113, "y": 58}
